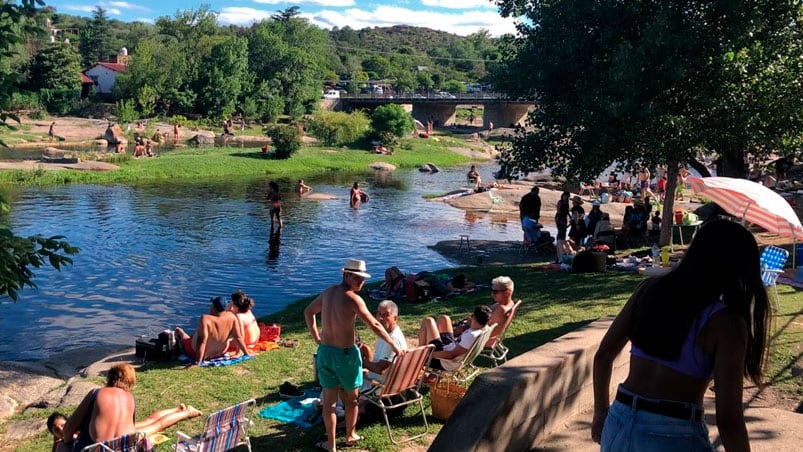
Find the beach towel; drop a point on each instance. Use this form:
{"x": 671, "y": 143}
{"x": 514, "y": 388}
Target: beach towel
{"x": 301, "y": 412}
{"x": 224, "y": 360}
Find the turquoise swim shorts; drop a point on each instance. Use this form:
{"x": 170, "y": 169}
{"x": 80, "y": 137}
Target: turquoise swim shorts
{"x": 339, "y": 367}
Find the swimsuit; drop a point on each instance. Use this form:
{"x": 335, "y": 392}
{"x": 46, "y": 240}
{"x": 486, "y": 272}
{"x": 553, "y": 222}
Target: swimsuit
{"x": 339, "y": 367}
{"x": 693, "y": 361}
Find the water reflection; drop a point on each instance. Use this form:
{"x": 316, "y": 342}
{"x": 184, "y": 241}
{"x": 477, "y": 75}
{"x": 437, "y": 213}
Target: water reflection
{"x": 152, "y": 254}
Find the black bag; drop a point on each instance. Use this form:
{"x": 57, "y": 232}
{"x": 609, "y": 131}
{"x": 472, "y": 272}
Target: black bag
{"x": 163, "y": 348}
{"x": 589, "y": 261}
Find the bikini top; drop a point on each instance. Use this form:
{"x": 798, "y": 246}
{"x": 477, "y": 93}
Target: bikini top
{"x": 693, "y": 361}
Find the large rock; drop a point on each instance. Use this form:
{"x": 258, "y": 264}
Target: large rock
{"x": 114, "y": 135}
{"x": 203, "y": 139}
{"x": 382, "y": 166}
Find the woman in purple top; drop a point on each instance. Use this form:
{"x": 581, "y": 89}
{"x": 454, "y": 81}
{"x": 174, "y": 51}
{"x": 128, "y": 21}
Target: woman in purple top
{"x": 707, "y": 318}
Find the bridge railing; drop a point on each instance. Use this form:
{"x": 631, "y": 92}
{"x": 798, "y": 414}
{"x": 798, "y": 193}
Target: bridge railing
{"x": 416, "y": 97}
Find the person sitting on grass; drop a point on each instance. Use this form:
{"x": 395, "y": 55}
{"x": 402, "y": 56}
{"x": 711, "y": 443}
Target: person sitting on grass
{"x": 215, "y": 332}
{"x": 449, "y": 350}
{"x": 108, "y": 412}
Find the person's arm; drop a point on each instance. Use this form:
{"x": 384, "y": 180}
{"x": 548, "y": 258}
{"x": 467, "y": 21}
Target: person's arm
{"x": 614, "y": 341}
{"x": 450, "y": 354}
{"x": 239, "y": 336}
{"x": 378, "y": 367}
{"x": 729, "y": 333}
{"x": 309, "y": 317}
{"x": 366, "y": 316}
{"x": 77, "y": 417}
{"x": 202, "y": 339}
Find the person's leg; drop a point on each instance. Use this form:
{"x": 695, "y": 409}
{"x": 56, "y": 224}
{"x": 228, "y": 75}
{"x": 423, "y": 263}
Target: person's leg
{"x": 329, "y": 416}
{"x": 428, "y": 331}
{"x": 163, "y": 419}
{"x": 181, "y": 333}
{"x": 350, "y": 399}
{"x": 444, "y": 324}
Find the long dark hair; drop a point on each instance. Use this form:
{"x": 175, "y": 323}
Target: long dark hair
{"x": 722, "y": 263}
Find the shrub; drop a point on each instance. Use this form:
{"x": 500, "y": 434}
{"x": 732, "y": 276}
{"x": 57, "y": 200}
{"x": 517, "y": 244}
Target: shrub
{"x": 286, "y": 141}
{"x": 335, "y": 128}
{"x": 391, "y": 120}
{"x": 125, "y": 111}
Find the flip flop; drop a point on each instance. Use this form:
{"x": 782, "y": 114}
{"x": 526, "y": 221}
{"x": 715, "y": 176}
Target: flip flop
{"x": 323, "y": 444}
{"x": 353, "y": 442}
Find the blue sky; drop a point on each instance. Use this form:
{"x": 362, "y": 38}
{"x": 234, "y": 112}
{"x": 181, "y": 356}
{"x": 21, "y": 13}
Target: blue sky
{"x": 461, "y": 17}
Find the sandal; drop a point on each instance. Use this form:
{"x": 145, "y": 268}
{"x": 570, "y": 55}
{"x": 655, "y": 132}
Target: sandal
{"x": 290, "y": 343}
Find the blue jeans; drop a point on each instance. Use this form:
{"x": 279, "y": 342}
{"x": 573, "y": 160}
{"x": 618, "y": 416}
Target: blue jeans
{"x": 629, "y": 430}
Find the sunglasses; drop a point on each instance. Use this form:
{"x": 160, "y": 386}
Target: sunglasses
{"x": 497, "y": 290}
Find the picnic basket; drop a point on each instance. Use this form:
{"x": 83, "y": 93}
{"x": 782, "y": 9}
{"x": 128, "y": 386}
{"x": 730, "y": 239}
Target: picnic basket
{"x": 445, "y": 396}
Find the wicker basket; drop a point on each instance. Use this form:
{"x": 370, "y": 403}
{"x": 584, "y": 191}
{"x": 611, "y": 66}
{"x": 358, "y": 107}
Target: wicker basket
{"x": 445, "y": 397}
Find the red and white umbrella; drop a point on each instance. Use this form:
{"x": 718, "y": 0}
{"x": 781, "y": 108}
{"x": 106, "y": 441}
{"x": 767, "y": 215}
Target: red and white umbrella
{"x": 752, "y": 202}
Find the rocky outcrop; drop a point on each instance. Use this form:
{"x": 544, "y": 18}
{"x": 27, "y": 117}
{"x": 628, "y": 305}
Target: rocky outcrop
{"x": 203, "y": 139}
{"x": 382, "y": 166}
{"x": 114, "y": 135}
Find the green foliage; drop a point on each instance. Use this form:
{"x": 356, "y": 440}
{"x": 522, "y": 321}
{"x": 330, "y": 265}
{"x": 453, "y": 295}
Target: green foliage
{"x": 146, "y": 99}
{"x": 286, "y": 141}
{"x": 96, "y": 42}
{"x": 37, "y": 114}
{"x": 454, "y": 86}
{"x": 19, "y": 255}
{"x": 335, "y": 128}
{"x": 126, "y": 111}
{"x": 653, "y": 82}
{"x": 24, "y": 101}
{"x": 54, "y": 73}
{"x": 222, "y": 76}
{"x": 392, "y": 121}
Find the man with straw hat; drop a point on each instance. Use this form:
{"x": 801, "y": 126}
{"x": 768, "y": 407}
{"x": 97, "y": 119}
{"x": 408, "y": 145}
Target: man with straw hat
{"x": 338, "y": 359}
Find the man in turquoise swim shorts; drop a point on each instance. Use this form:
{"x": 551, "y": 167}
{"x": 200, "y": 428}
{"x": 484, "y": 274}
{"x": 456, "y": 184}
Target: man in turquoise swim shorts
{"x": 338, "y": 361}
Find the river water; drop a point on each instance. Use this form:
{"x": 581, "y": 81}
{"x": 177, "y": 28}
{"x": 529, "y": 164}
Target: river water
{"x": 153, "y": 254}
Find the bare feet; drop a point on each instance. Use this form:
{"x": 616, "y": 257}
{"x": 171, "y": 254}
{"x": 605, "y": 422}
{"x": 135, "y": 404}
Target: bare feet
{"x": 192, "y": 411}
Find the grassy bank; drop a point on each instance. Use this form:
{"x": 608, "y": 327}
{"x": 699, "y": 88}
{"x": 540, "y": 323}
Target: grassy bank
{"x": 197, "y": 163}
{"x": 554, "y": 304}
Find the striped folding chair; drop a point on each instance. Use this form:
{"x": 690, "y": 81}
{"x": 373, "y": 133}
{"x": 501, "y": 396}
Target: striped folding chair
{"x": 494, "y": 349}
{"x": 466, "y": 370}
{"x": 402, "y": 386}
{"x": 133, "y": 442}
{"x": 772, "y": 261}
{"x": 224, "y": 430}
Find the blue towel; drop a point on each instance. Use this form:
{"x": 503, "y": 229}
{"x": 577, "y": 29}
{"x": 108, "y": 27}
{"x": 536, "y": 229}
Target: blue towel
{"x": 218, "y": 362}
{"x": 293, "y": 411}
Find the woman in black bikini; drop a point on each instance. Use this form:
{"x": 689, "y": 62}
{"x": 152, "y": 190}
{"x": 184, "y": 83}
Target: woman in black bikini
{"x": 275, "y": 200}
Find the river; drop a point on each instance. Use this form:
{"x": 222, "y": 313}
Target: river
{"x": 152, "y": 254}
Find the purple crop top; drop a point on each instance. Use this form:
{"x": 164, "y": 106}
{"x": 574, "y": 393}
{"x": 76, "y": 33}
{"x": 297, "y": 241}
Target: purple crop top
{"x": 693, "y": 361}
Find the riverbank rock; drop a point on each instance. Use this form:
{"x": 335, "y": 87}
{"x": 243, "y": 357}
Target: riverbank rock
{"x": 114, "y": 135}
{"x": 382, "y": 166}
{"x": 429, "y": 168}
{"x": 203, "y": 139}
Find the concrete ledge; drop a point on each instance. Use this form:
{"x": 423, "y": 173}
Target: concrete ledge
{"x": 517, "y": 405}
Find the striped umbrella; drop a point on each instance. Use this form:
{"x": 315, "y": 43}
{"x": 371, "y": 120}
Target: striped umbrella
{"x": 752, "y": 202}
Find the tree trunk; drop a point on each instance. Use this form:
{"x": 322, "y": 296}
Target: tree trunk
{"x": 731, "y": 163}
{"x": 668, "y": 215}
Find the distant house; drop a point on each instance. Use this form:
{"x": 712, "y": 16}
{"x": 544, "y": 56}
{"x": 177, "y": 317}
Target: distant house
{"x": 104, "y": 74}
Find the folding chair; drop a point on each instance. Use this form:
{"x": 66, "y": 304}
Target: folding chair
{"x": 466, "y": 369}
{"x": 772, "y": 262}
{"x": 402, "y": 386}
{"x": 224, "y": 430}
{"x": 494, "y": 349}
{"x": 132, "y": 442}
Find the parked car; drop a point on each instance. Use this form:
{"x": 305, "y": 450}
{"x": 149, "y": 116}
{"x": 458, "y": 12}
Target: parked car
{"x": 331, "y": 94}
{"x": 445, "y": 95}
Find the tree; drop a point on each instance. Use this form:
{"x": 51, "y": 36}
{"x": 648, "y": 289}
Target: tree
{"x": 390, "y": 121}
{"x": 96, "y": 42}
{"x": 651, "y": 82}
{"x": 19, "y": 255}
{"x": 55, "y": 74}
{"x": 222, "y": 77}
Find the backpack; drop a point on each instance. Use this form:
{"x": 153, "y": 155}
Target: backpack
{"x": 417, "y": 290}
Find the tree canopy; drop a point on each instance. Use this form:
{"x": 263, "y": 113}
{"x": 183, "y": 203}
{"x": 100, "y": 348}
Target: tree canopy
{"x": 653, "y": 81}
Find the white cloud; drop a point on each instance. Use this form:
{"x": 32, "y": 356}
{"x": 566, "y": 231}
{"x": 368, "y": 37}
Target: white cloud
{"x": 126, "y": 5}
{"x": 146, "y": 20}
{"x": 459, "y": 4}
{"x": 329, "y": 3}
{"x": 241, "y": 15}
{"x": 462, "y": 24}
{"x": 92, "y": 8}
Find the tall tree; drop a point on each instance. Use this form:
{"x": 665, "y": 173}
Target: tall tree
{"x": 56, "y": 66}
{"x": 648, "y": 81}
{"x": 96, "y": 42}
{"x": 222, "y": 77}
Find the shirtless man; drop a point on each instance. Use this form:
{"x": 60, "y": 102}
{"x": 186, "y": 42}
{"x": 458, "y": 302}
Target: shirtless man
{"x": 214, "y": 333}
{"x": 338, "y": 359}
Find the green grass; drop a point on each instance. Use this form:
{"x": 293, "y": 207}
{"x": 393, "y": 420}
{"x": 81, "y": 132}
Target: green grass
{"x": 194, "y": 163}
{"x": 554, "y": 304}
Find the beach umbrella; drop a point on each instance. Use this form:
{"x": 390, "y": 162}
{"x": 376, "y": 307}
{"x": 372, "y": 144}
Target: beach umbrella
{"x": 753, "y": 203}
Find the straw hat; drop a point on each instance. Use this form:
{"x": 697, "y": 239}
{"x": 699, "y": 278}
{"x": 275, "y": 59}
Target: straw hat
{"x": 577, "y": 200}
{"x": 356, "y": 267}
